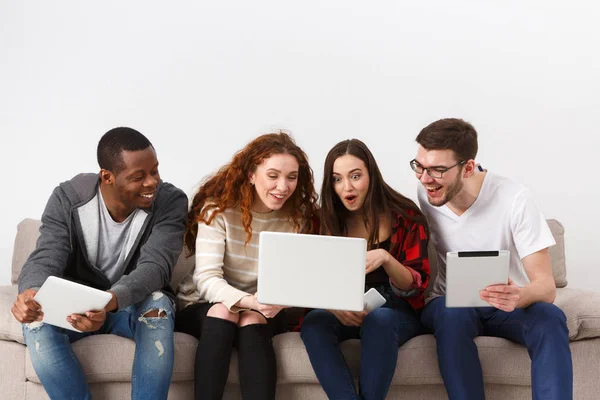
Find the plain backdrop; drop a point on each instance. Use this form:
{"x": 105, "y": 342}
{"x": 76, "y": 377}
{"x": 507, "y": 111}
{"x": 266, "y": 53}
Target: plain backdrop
{"x": 201, "y": 79}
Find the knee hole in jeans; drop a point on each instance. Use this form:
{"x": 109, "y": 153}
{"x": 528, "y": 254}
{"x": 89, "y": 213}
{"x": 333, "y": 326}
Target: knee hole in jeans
{"x": 155, "y": 313}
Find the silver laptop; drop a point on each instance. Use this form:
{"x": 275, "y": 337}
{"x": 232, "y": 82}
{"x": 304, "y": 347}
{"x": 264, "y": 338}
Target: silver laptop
{"x": 468, "y": 272}
{"x": 311, "y": 271}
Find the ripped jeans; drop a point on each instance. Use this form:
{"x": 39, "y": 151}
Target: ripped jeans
{"x": 61, "y": 374}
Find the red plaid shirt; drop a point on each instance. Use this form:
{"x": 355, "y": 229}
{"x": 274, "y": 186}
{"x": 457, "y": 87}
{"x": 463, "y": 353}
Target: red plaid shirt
{"x": 408, "y": 245}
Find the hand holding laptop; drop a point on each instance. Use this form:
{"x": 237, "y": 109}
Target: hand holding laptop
{"x": 349, "y": 318}
{"x": 373, "y": 300}
{"x": 268, "y": 310}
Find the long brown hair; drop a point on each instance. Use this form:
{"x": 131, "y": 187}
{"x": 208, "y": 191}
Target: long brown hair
{"x": 230, "y": 187}
{"x": 380, "y": 198}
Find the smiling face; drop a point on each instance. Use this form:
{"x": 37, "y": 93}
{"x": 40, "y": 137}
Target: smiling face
{"x": 350, "y": 181}
{"x": 440, "y": 190}
{"x": 274, "y": 181}
{"x": 135, "y": 185}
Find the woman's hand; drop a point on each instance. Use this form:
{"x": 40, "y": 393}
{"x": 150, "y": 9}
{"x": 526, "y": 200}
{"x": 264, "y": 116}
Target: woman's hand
{"x": 268, "y": 310}
{"x": 349, "y": 318}
{"x": 375, "y": 259}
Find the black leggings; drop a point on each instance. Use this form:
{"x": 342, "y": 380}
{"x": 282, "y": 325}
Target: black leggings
{"x": 256, "y": 358}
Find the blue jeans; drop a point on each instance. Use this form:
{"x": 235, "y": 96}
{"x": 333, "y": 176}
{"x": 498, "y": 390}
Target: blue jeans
{"x": 382, "y": 332}
{"x": 541, "y": 328}
{"x": 61, "y": 374}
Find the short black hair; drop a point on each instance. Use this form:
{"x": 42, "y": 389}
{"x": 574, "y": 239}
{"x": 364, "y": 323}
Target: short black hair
{"x": 114, "y": 142}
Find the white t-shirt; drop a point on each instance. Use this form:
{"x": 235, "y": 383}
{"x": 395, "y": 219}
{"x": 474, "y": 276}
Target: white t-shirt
{"x": 503, "y": 217}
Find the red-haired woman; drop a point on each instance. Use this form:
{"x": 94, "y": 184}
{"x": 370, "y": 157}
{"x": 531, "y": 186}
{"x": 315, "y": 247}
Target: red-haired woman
{"x": 268, "y": 186}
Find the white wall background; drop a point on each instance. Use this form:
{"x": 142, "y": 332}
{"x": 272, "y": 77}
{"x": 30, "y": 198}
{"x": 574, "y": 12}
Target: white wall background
{"x": 200, "y": 79}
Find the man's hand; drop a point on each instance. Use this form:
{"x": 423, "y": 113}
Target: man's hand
{"x": 349, "y": 318}
{"x": 503, "y": 297}
{"x": 25, "y": 309}
{"x": 375, "y": 259}
{"x": 90, "y": 322}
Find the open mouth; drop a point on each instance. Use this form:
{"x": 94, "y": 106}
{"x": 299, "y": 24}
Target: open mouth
{"x": 147, "y": 196}
{"x": 278, "y": 196}
{"x": 350, "y": 198}
{"x": 433, "y": 190}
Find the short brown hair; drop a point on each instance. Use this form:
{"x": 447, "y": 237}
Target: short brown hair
{"x": 450, "y": 133}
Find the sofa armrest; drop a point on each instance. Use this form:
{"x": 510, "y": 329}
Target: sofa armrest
{"x": 10, "y": 328}
{"x": 582, "y": 308}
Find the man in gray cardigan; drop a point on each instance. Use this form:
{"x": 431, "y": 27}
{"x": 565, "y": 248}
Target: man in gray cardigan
{"x": 120, "y": 231}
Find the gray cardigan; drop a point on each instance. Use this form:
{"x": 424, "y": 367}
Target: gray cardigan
{"x": 61, "y": 248}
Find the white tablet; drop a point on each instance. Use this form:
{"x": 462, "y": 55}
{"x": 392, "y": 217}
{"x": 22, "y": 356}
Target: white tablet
{"x": 468, "y": 272}
{"x": 60, "y": 298}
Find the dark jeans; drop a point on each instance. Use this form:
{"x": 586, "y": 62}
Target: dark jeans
{"x": 541, "y": 327}
{"x": 383, "y": 330}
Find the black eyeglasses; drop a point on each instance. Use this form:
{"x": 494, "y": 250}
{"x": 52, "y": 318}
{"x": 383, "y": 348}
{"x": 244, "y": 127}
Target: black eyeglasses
{"x": 434, "y": 172}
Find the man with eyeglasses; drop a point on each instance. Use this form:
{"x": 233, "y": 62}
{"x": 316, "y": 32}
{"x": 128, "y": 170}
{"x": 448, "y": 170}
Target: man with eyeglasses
{"x": 473, "y": 209}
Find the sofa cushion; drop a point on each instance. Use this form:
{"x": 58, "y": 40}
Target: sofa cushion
{"x": 503, "y": 362}
{"x": 12, "y": 370}
{"x": 109, "y": 358}
{"x": 10, "y": 328}
{"x": 582, "y": 309}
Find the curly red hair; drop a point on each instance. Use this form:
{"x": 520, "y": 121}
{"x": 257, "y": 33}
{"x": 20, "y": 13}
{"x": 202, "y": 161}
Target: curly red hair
{"x": 230, "y": 187}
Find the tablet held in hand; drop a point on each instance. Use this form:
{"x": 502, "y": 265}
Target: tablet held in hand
{"x": 60, "y": 298}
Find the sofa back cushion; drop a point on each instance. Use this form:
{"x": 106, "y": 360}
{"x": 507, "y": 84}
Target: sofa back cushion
{"x": 557, "y": 253}
{"x": 28, "y": 232}
{"x": 557, "y": 257}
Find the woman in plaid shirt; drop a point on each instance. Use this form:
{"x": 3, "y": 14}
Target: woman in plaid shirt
{"x": 356, "y": 202}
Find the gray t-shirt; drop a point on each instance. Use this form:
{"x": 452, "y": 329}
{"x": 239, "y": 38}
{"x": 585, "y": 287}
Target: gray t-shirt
{"x": 115, "y": 240}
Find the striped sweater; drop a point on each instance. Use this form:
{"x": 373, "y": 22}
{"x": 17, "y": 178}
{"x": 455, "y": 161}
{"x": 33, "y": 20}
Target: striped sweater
{"x": 227, "y": 270}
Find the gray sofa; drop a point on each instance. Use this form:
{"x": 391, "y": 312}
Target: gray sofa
{"x": 107, "y": 359}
